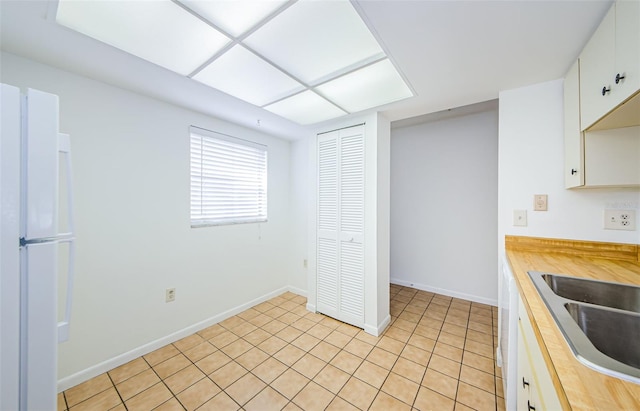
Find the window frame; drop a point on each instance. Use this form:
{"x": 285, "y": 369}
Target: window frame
{"x": 239, "y": 188}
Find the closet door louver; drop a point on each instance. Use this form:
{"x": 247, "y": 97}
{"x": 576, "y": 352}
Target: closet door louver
{"x": 340, "y": 273}
{"x": 352, "y": 225}
{"x": 327, "y": 262}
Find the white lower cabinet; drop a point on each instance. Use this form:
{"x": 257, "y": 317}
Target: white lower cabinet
{"x": 535, "y": 387}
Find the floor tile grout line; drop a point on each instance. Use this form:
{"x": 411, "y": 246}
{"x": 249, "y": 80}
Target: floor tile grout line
{"x": 426, "y": 367}
{"x": 117, "y": 392}
{"x": 462, "y": 359}
{"x": 291, "y": 366}
{"x": 175, "y": 395}
{"x": 249, "y": 371}
{"x": 415, "y": 398}
{"x": 162, "y": 380}
{"x": 89, "y": 397}
{"x": 64, "y": 397}
{"x": 495, "y": 388}
{"x": 441, "y": 318}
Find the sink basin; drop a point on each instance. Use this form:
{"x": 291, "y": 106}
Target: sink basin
{"x": 600, "y": 321}
{"x": 614, "y": 295}
{"x": 600, "y": 325}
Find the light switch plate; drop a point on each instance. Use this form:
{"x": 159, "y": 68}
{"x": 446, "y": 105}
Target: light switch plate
{"x": 540, "y": 202}
{"x": 520, "y": 218}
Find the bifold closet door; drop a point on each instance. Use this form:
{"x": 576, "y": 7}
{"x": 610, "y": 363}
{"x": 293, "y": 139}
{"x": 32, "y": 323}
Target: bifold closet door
{"x": 327, "y": 252}
{"x": 340, "y": 252}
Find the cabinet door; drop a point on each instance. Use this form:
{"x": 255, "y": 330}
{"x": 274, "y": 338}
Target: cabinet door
{"x": 539, "y": 390}
{"x": 573, "y": 141}
{"x": 524, "y": 371}
{"x": 627, "y": 62}
{"x": 596, "y": 68}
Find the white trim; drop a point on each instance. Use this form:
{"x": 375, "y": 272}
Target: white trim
{"x": 377, "y": 331}
{"x": 94, "y": 371}
{"x": 312, "y": 308}
{"x": 450, "y": 293}
{"x": 296, "y": 290}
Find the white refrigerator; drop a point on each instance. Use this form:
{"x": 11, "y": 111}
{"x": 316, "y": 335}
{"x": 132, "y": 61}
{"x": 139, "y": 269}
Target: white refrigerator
{"x": 35, "y": 257}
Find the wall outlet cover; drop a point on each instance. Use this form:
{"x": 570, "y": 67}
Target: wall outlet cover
{"x": 540, "y": 202}
{"x": 615, "y": 219}
{"x": 170, "y": 295}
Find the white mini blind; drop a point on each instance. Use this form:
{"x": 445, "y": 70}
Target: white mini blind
{"x": 228, "y": 179}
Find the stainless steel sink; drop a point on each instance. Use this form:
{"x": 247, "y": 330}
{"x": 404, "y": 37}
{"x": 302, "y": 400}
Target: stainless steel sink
{"x": 614, "y": 295}
{"x": 615, "y": 333}
{"x": 600, "y": 321}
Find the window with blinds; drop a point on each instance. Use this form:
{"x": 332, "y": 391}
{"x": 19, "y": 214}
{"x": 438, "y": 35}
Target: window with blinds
{"x": 228, "y": 179}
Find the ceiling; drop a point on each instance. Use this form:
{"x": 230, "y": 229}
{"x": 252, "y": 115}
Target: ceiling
{"x": 451, "y": 53}
{"x": 307, "y": 61}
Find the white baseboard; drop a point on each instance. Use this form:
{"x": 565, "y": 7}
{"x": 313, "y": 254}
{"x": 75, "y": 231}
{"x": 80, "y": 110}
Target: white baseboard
{"x": 379, "y": 329}
{"x": 450, "y": 293}
{"x": 84, "y": 375}
{"x": 297, "y": 290}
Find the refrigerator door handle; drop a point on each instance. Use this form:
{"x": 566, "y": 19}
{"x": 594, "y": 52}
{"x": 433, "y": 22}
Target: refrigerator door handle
{"x": 64, "y": 146}
{"x": 63, "y": 326}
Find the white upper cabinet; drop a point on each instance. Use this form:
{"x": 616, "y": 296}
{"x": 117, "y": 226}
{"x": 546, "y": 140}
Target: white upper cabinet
{"x": 610, "y": 63}
{"x": 573, "y": 142}
{"x": 627, "y": 62}
{"x": 602, "y": 104}
{"x": 595, "y": 71}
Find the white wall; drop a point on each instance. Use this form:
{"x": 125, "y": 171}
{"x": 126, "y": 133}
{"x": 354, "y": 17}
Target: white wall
{"x": 299, "y": 197}
{"x": 383, "y": 223}
{"x": 131, "y": 176}
{"x": 532, "y": 162}
{"x": 444, "y": 178}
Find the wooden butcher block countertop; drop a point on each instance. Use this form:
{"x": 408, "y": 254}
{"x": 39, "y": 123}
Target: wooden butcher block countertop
{"x": 578, "y": 386}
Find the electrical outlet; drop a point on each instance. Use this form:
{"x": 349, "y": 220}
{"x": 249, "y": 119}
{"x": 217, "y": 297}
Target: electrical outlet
{"x": 540, "y": 202}
{"x": 620, "y": 220}
{"x": 520, "y": 218}
{"x": 170, "y": 295}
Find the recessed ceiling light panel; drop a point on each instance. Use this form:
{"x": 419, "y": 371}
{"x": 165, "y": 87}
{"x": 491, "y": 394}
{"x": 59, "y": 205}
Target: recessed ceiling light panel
{"x": 234, "y": 17}
{"x": 313, "y": 39}
{"x": 159, "y": 31}
{"x": 371, "y": 86}
{"x": 246, "y": 76}
{"x": 305, "y": 108}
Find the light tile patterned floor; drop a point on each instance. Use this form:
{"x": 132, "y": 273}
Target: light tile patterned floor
{"x": 438, "y": 354}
